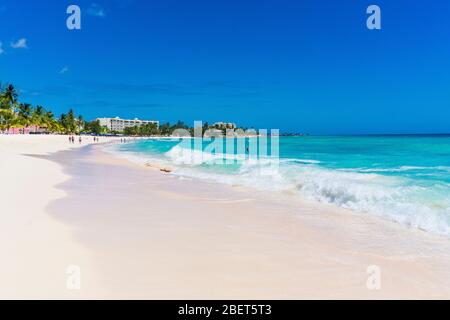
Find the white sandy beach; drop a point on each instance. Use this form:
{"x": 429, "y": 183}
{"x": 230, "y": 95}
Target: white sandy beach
{"x": 36, "y": 249}
{"x": 138, "y": 233}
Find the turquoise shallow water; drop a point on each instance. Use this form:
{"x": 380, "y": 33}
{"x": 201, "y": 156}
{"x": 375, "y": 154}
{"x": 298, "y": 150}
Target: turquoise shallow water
{"x": 402, "y": 178}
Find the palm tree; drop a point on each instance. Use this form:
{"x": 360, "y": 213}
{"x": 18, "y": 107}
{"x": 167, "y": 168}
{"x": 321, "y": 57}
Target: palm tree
{"x": 71, "y": 122}
{"x": 8, "y": 100}
{"x": 37, "y": 117}
{"x": 63, "y": 122}
{"x": 10, "y": 96}
{"x": 80, "y": 123}
{"x": 24, "y": 116}
{"x": 51, "y": 123}
{"x": 6, "y": 119}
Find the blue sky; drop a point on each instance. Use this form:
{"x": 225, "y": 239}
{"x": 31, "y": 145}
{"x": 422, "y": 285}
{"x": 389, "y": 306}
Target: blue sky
{"x": 304, "y": 66}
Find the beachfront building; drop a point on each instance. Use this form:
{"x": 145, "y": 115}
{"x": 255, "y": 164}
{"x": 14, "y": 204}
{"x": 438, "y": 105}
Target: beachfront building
{"x": 117, "y": 124}
{"x": 25, "y": 130}
{"x": 224, "y": 125}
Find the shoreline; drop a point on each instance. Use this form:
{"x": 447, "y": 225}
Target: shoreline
{"x": 413, "y": 195}
{"x": 237, "y": 243}
{"x": 140, "y": 234}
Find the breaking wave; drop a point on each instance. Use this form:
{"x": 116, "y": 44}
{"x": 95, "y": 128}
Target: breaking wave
{"x": 420, "y": 204}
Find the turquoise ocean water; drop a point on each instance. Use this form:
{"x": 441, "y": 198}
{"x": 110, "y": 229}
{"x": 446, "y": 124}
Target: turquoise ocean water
{"x": 402, "y": 178}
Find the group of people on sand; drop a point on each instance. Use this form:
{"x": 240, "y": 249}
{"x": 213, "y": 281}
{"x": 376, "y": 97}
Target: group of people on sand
{"x": 72, "y": 139}
{"x": 80, "y": 140}
{"x": 124, "y": 140}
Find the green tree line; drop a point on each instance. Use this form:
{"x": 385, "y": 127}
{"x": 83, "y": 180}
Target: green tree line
{"x": 15, "y": 114}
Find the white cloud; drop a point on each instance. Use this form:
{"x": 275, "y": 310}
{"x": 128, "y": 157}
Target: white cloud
{"x": 64, "y": 70}
{"x": 20, "y": 44}
{"x": 1, "y": 48}
{"x": 96, "y": 10}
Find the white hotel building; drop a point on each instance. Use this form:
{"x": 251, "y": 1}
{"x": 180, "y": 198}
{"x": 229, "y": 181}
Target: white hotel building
{"x": 118, "y": 124}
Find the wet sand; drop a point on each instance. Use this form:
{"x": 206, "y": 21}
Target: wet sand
{"x": 150, "y": 235}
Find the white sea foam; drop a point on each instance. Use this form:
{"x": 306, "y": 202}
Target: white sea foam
{"x": 366, "y": 191}
{"x": 397, "y": 169}
{"x": 136, "y": 157}
{"x": 301, "y": 161}
{"x": 186, "y": 156}
{"x": 395, "y": 198}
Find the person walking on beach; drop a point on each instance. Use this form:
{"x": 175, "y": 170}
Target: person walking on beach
{"x": 79, "y": 139}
